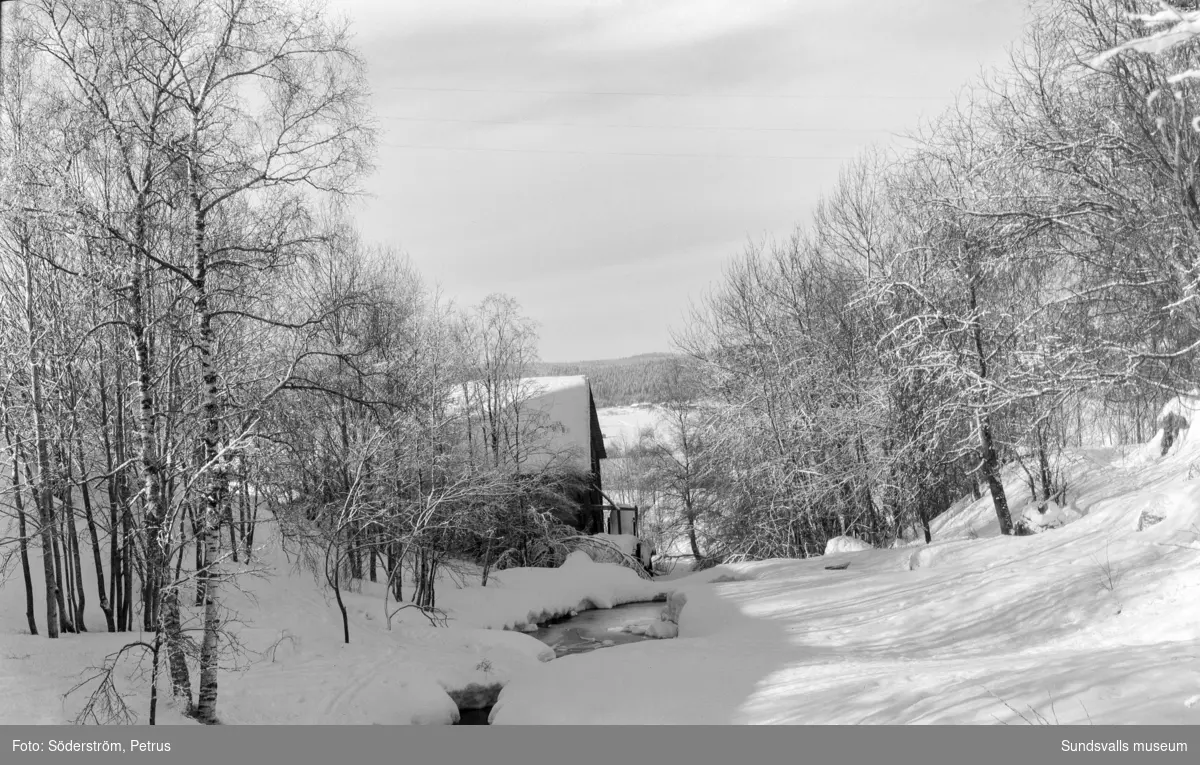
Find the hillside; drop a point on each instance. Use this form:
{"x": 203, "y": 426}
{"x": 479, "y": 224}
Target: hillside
{"x": 1085, "y": 622}
{"x": 620, "y": 382}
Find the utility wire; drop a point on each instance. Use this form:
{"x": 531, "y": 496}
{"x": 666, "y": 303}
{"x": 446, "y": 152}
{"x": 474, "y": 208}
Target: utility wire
{"x": 769, "y": 129}
{"x": 651, "y": 94}
{"x": 616, "y": 153}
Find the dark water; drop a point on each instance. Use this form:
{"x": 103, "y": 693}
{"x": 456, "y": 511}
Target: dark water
{"x": 598, "y": 628}
{"x": 589, "y": 631}
{"x": 473, "y": 716}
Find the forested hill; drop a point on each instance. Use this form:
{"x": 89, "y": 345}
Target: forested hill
{"x": 620, "y": 382}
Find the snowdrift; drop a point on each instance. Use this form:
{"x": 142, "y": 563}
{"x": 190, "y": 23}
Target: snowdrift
{"x": 291, "y": 665}
{"x": 1092, "y": 621}
{"x": 845, "y": 545}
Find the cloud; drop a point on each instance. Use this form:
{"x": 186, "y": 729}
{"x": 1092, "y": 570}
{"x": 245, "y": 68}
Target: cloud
{"x": 518, "y": 155}
{"x": 623, "y": 26}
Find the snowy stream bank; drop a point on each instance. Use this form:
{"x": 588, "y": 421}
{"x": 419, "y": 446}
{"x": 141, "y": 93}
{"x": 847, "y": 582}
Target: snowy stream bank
{"x": 583, "y": 632}
{"x": 1091, "y": 620}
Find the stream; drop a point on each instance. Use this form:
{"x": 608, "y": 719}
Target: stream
{"x": 588, "y": 631}
{"x": 598, "y": 628}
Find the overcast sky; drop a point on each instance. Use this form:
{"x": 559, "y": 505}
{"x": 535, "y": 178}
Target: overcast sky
{"x": 600, "y": 160}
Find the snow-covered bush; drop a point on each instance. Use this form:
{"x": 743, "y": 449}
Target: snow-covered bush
{"x": 845, "y": 545}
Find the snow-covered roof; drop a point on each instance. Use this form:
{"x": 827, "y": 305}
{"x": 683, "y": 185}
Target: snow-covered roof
{"x": 564, "y": 408}
{"x": 551, "y": 385}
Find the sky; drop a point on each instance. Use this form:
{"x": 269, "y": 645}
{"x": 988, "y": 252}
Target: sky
{"x": 602, "y": 160}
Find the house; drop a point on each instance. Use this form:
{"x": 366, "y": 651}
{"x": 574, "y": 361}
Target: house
{"x": 565, "y": 410}
{"x": 549, "y": 424}
{"x": 539, "y": 424}
{"x": 569, "y": 411}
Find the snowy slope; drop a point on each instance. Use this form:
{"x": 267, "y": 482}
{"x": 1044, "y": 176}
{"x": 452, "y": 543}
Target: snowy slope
{"x": 292, "y": 665}
{"x": 1094, "y": 621}
{"x": 623, "y": 425}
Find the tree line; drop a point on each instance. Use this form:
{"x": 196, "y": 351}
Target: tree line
{"x": 196, "y": 344}
{"x": 1021, "y": 279}
{"x": 641, "y": 379}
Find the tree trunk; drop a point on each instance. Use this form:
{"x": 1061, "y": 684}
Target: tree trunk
{"x": 128, "y": 563}
{"x": 155, "y": 662}
{"x": 990, "y": 459}
{"x": 41, "y": 488}
{"x": 152, "y": 466}
{"x": 206, "y": 707}
{"x": 67, "y": 573}
{"x": 64, "y": 613}
{"x": 991, "y": 472}
{"x": 79, "y": 597}
{"x": 691, "y": 528}
{"x": 923, "y": 511}
{"x": 19, "y": 503}
{"x": 487, "y": 559}
{"x": 233, "y": 542}
{"x": 80, "y": 594}
{"x": 243, "y": 517}
{"x": 396, "y": 571}
{"x": 97, "y": 559}
{"x": 249, "y": 537}
{"x": 113, "y": 456}
{"x": 334, "y": 578}
{"x": 216, "y": 480}
{"x": 181, "y": 683}
{"x": 198, "y": 541}
{"x": 1044, "y": 467}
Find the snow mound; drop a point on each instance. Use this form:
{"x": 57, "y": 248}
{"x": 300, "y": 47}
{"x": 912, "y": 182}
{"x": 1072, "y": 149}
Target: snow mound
{"x": 936, "y": 553}
{"x": 845, "y": 545}
{"x": 517, "y": 597}
{"x": 1039, "y": 518}
{"x": 625, "y": 544}
{"x": 1173, "y": 436}
{"x": 623, "y": 426}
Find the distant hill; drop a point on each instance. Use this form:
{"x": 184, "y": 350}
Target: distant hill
{"x": 620, "y": 382}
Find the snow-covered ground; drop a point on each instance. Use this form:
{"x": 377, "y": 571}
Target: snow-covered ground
{"x": 1093, "y": 619}
{"x": 292, "y": 665}
{"x": 623, "y": 425}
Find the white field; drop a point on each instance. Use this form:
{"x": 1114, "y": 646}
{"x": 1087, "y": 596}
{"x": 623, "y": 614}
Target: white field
{"x": 622, "y": 425}
{"x": 1092, "y": 621}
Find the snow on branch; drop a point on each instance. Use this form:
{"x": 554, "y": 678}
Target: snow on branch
{"x": 1172, "y": 27}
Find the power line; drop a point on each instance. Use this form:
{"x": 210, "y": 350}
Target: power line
{"x": 650, "y": 94}
{"x": 615, "y": 153}
{"x": 734, "y": 128}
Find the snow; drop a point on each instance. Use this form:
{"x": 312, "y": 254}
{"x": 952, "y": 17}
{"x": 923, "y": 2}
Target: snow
{"x": 1091, "y": 620}
{"x": 845, "y": 545}
{"x": 558, "y": 411}
{"x": 1185, "y": 407}
{"x": 1039, "y": 518}
{"x": 623, "y": 425}
{"x": 523, "y": 595}
{"x": 1088, "y": 622}
{"x": 292, "y": 666}
{"x": 627, "y": 544}
{"x": 1169, "y": 27}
